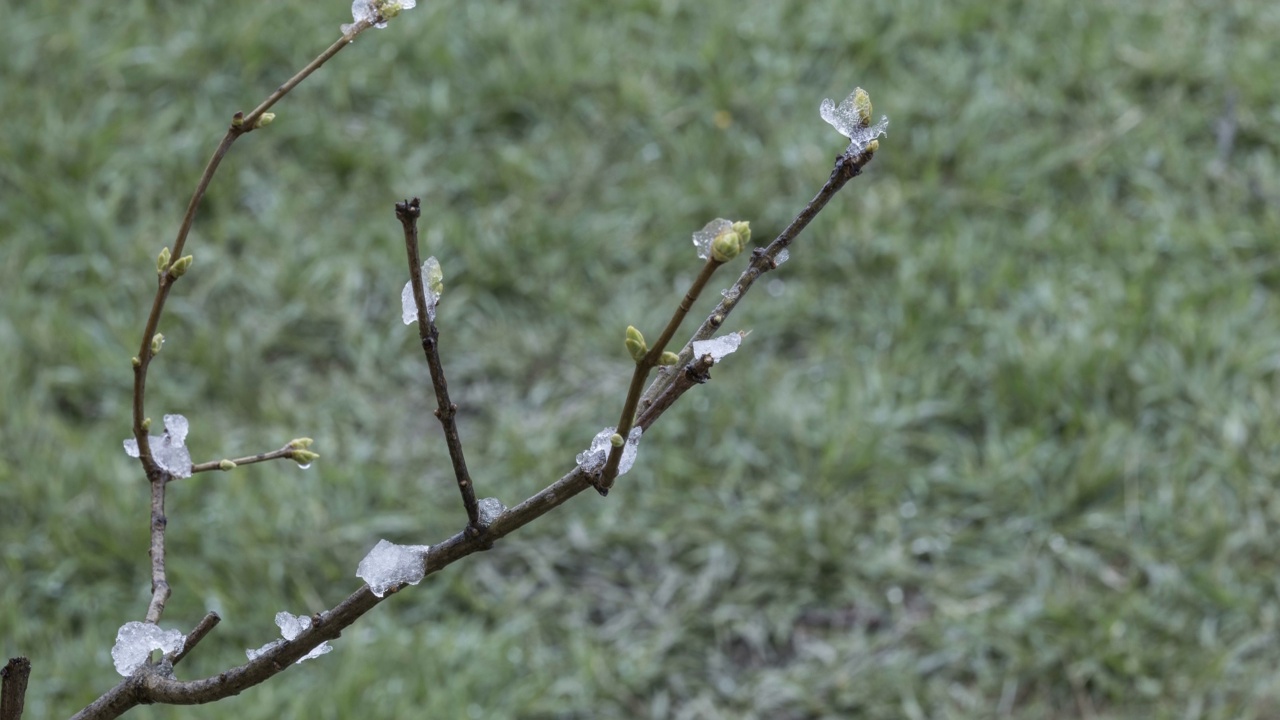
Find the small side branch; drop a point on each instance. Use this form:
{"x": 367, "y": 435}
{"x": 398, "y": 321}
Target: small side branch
{"x": 13, "y": 687}
{"x": 407, "y": 213}
{"x": 208, "y": 623}
{"x": 159, "y": 580}
{"x": 644, "y": 365}
{"x": 288, "y": 452}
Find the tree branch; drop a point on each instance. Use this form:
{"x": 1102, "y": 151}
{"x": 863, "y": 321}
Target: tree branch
{"x": 285, "y": 453}
{"x": 13, "y": 687}
{"x": 407, "y": 213}
{"x": 159, "y": 580}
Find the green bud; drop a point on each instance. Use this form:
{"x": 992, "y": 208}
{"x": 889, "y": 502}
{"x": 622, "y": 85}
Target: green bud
{"x": 181, "y": 266}
{"x": 136, "y": 361}
{"x": 304, "y": 457}
{"x": 162, "y": 262}
{"x": 616, "y": 440}
{"x": 388, "y": 10}
{"x": 301, "y": 443}
{"x": 862, "y": 103}
{"x": 156, "y": 341}
{"x": 743, "y": 228}
{"x": 726, "y": 246}
{"x": 872, "y": 146}
{"x": 264, "y": 120}
{"x": 237, "y": 120}
{"x": 635, "y": 344}
{"x": 226, "y": 466}
{"x": 668, "y": 358}
{"x": 146, "y": 424}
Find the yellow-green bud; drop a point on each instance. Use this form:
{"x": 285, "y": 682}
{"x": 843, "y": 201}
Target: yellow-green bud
{"x": 872, "y": 146}
{"x": 181, "y": 266}
{"x": 635, "y": 344}
{"x": 435, "y": 278}
{"x": 146, "y": 424}
{"x": 136, "y": 361}
{"x": 162, "y": 262}
{"x": 616, "y": 440}
{"x": 226, "y": 466}
{"x": 301, "y": 443}
{"x": 726, "y": 246}
{"x": 264, "y": 120}
{"x": 156, "y": 341}
{"x": 862, "y": 103}
{"x": 668, "y": 358}
{"x": 304, "y": 457}
{"x": 388, "y": 10}
{"x": 743, "y": 228}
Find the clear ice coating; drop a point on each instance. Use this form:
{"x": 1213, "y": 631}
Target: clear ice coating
{"x": 136, "y": 640}
{"x": 370, "y": 9}
{"x": 782, "y": 256}
{"x": 717, "y": 348}
{"x": 170, "y": 450}
{"x": 388, "y": 565}
{"x": 703, "y": 238}
{"x": 847, "y": 120}
{"x": 291, "y": 626}
{"x": 490, "y": 508}
{"x": 432, "y": 285}
{"x": 593, "y": 458}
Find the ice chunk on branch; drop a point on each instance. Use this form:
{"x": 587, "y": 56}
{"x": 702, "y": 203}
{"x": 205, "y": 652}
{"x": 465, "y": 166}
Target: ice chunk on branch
{"x": 593, "y": 458}
{"x": 852, "y": 119}
{"x": 703, "y": 238}
{"x": 388, "y": 565}
{"x": 136, "y": 640}
{"x": 291, "y": 626}
{"x": 718, "y": 347}
{"x": 432, "y": 286}
{"x": 170, "y": 450}
{"x": 490, "y": 508}
{"x": 377, "y": 12}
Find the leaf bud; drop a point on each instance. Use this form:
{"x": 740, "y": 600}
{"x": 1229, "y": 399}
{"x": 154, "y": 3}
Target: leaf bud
{"x": 862, "y": 103}
{"x": 162, "y": 262}
{"x": 264, "y": 120}
{"x": 726, "y": 246}
{"x": 668, "y": 358}
{"x": 157, "y": 340}
{"x": 301, "y": 443}
{"x": 226, "y": 465}
{"x": 181, "y": 266}
{"x": 635, "y": 344}
{"x": 616, "y": 440}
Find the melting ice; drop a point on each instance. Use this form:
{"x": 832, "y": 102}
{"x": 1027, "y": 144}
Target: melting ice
{"x": 593, "y": 458}
{"x": 136, "y": 640}
{"x": 490, "y": 508}
{"x": 170, "y": 450}
{"x": 388, "y": 565}
{"x": 846, "y": 118}
{"x": 432, "y": 285}
{"x": 291, "y": 626}
{"x": 717, "y": 348}
{"x": 703, "y": 238}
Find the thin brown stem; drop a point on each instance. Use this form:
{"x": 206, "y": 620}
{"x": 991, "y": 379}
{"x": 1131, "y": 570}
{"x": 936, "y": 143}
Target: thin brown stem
{"x": 641, "y": 373}
{"x": 159, "y": 580}
{"x": 284, "y": 453}
{"x": 763, "y": 260}
{"x": 407, "y": 213}
{"x": 206, "y": 624}
{"x": 13, "y": 687}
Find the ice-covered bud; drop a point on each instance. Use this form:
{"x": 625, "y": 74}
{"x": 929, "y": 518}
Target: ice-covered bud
{"x": 291, "y": 626}
{"x": 135, "y": 361}
{"x": 181, "y": 266}
{"x": 264, "y": 120}
{"x": 389, "y": 565}
{"x": 593, "y": 458}
{"x": 743, "y": 228}
{"x": 169, "y": 450}
{"x": 873, "y": 146}
{"x": 852, "y": 118}
{"x": 301, "y": 443}
{"x": 726, "y": 246}
{"x": 136, "y": 640}
{"x": 226, "y": 465}
{"x": 668, "y": 358}
{"x": 433, "y": 287}
{"x": 376, "y": 12}
{"x": 489, "y": 509}
{"x": 635, "y": 344}
{"x": 157, "y": 341}
{"x": 703, "y": 238}
{"x": 717, "y": 348}
{"x": 162, "y": 261}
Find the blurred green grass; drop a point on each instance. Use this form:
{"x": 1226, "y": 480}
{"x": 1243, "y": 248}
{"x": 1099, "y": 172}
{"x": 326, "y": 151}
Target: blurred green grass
{"x": 1003, "y": 442}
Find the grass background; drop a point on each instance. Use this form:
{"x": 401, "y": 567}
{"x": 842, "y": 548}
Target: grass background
{"x": 1003, "y": 441}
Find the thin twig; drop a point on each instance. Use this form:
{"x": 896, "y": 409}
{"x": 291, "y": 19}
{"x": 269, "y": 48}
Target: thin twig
{"x": 13, "y": 687}
{"x": 284, "y": 453}
{"x": 159, "y": 580}
{"x": 763, "y": 260}
{"x": 407, "y": 213}
{"x": 208, "y": 623}
{"x": 641, "y": 373}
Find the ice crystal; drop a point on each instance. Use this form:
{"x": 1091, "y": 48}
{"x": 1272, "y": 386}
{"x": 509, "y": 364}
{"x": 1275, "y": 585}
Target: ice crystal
{"x": 377, "y": 12}
{"x": 593, "y": 458}
{"x": 432, "y": 285}
{"x": 851, "y": 119}
{"x": 717, "y": 348}
{"x": 169, "y": 450}
{"x": 388, "y": 565}
{"x": 703, "y": 238}
{"x": 136, "y": 640}
{"x": 782, "y": 256}
{"x": 291, "y": 626}
{"x": 490, "y": 508}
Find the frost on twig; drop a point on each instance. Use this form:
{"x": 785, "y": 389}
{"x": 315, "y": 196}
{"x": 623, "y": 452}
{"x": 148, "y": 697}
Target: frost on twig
{"x": 170, "y": 450}
{"x": 593, "y": 458}
{"x": 136, "y": 640}
{"x": 388, "y": 565}
{"x": 852, "y": 119}
{"x": 432, "y": 284}
{"x": 490, "y": 508}
{"x": 718, "y": 347}
{"x": 291, "y": 626}
{"x": 376, "y": 12}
